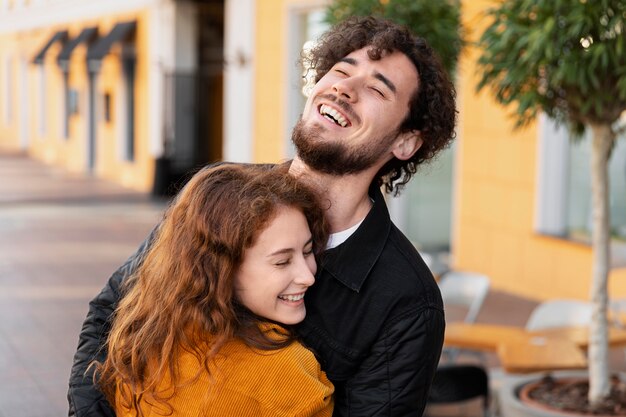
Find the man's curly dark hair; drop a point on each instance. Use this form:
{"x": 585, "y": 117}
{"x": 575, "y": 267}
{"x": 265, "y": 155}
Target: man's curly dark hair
{"x": 432, "y": 109}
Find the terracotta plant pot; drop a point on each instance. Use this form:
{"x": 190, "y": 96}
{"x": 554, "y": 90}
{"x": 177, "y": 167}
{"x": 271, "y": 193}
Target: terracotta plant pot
{"x": 513, "y": 399}
{"x": 525, "y": 397}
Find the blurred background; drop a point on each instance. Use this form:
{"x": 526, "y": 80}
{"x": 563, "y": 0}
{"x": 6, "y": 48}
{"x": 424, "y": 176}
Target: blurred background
{"x": 106, "y": 106}
{"x": 141, "y": 93}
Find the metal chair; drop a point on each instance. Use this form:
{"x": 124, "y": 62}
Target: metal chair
{"x": 617, "y": 314}
{"x": 466, "y": 289}
{"x": 436, "y": 262}
{"x": 559, "y": 313}
{"x": 455, "y": 383}
{"x": 463, "y": 289}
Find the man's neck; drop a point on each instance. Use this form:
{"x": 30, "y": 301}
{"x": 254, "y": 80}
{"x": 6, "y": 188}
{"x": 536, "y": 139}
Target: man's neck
{"x": 347, "y": 195}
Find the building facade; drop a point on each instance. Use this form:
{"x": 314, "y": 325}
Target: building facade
{"x": 523, "y": 197}
{"x": 114, "y": 87}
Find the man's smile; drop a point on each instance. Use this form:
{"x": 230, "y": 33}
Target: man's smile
{"x": 336, "y": 110}
{"x": 334, "y": 115}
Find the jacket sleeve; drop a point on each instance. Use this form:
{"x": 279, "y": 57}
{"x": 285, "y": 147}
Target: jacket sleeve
{"x": 83, "y": 396}
{"x": 396, "y": 377}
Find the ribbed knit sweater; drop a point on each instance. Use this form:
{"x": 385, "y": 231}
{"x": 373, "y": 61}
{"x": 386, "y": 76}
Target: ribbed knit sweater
{"x": 246, "y": 382}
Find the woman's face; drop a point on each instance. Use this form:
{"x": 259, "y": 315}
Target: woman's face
{"x": 278, "y": 269}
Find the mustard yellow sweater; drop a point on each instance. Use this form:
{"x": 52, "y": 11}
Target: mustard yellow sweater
{"x": 247, "y": 382}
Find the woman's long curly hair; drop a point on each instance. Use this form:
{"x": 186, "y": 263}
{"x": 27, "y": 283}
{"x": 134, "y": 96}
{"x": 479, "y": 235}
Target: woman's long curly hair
{"x": 182, "y": 297}
{"x": 432, "y": 109}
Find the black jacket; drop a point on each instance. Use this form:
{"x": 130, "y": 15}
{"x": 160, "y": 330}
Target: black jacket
{"x": 374, "y": 319}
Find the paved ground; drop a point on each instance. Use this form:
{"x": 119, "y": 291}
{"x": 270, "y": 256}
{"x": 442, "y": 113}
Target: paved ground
{"x": 61, "y": 236}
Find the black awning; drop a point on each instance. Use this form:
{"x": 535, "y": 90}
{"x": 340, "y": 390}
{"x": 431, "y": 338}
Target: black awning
{"x": 60, "y": 36}
{"x": 120, "y": 32}
{"x": 87, "y": 35}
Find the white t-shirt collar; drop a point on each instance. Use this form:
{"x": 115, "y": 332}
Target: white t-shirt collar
{"x": 336, "y": 239}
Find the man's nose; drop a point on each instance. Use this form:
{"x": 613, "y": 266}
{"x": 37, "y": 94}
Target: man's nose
{"x": 345, "y": 90}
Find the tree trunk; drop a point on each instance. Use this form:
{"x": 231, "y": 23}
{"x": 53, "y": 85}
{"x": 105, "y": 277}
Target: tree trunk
{"x": 598, "y": 335}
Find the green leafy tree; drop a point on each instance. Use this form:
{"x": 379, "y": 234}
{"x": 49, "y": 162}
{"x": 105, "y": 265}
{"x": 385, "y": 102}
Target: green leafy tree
{"x": 439, "y": 22}
{"x": 566, "y": 58}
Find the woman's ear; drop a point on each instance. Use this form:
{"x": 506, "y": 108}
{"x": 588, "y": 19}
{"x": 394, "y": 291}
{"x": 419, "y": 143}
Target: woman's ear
{"x": 407, "y": 144}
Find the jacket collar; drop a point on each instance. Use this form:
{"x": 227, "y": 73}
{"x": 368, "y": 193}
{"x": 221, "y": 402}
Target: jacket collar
{"x": 351, "y": 262}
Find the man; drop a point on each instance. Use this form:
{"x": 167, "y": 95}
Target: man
{"x": 381, "y": 105}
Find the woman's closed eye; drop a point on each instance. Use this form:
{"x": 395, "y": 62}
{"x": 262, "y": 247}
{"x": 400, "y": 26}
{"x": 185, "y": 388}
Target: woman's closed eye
{"x": 283, "y": 262}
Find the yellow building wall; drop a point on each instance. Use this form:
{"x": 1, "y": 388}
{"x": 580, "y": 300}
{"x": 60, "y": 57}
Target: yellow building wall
{"x": 45, "y": 136}
{"x": 269, "y": 82}
{"x": 13, "y": 50}
{"x": 138, "y": 173}
{"x": 495, "y": 181}
{"x": 49, "y": 145}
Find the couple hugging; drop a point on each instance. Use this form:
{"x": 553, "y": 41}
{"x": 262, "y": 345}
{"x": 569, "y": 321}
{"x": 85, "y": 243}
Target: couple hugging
{"x": 286, "y": 290}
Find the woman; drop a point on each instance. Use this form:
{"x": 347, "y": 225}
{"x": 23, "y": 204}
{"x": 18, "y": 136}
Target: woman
{"x": 198, "y": 330}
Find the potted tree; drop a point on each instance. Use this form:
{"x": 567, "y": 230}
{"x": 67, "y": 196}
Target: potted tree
{"x": 567, "y": 59}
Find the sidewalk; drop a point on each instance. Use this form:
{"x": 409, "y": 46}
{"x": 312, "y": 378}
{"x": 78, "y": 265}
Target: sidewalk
{"x": 61, "y": 236}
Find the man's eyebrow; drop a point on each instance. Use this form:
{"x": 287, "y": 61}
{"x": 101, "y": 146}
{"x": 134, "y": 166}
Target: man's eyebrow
{"x": 386, "y": 81}
{"x": 377, "y": 75}
{"x": 347, "y": 60}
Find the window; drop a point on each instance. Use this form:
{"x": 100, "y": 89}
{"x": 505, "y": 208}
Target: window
{"x": 552, "y": 172}
{"x": 579, "y": 205}
{"x": 423, "y": 210}
{"x": 564, "y": 205}
{"x": 72, "y": 102}
{"x": 128, "y": 68}
{"x": 65, "y": 105}
{"x": 106, "y": 107}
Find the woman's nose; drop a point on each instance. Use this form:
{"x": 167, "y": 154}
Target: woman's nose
{"x": 305, "y": 275}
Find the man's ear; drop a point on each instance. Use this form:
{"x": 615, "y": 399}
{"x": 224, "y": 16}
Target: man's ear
{"x": 407, "y": 144}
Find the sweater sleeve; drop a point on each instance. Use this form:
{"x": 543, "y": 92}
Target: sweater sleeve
{"x": 295, "y": 385}
{"x": 317, "y": 401}
{"x": 318, "y": 407}
{"x": 288, "y": 382}
{"x": 83, "y": 396}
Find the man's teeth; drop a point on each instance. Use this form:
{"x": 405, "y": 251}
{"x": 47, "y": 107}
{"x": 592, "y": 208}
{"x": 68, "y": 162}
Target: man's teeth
{"x": 291, "y": 297}
{"x": 333, "y": 115}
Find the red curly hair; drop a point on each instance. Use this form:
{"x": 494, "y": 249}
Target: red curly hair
{"x": 182, "y": 296}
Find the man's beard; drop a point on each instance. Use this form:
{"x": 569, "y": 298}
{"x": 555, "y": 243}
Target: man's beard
{"x": 336, "y": 158}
